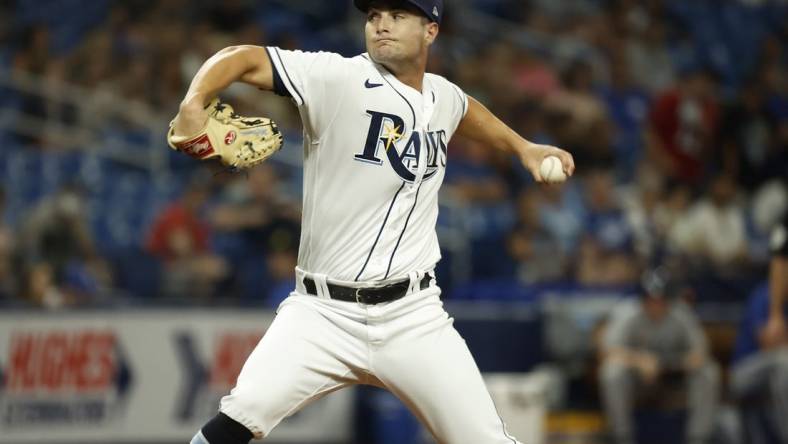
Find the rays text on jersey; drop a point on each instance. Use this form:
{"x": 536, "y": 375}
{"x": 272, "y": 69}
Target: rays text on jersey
{"x": 387, "y": 130}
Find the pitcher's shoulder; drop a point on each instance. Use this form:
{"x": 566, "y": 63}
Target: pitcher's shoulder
{"x": 448, "y": 92}
{"x": 440, "y": 81}
{"x": 362, "y": 59}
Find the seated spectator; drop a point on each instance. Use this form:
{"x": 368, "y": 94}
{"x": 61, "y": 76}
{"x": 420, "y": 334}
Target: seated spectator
{"x": 61, "y": 263}
{"x": 180, "y": 237}
{"x": 537, "y": 253}
{"x": 533, "y": 77}
{"x": 598, "y": 266}
{"x": 578, "y": 118}
{"x": 607, "y": 249}
{"x": 605, "y": 218}
{"x": 673, "y": 206}
{"x": 579, "y": 101}
{"x": 247, "y": 211}
{"x": 641, "y": 201}
{"x": 760, "y": 366}
{"x": 684, "y": 121}
{"x": 648, "y": 53}
{"x": 474, "y": 182}
{"x": 472, "y": 177}
{"x": 6, "y": 250}
{"x": 561, "y": 211}
{"x": 766, "y": 206}
{"x": 713, "y": 231}
{"x": 249, "y": 204}
{"x": 281, "y": 260}
{"x": 749, "y": 137}
{"x": 627, "y": 105}
{"x": 32, "y": 57}
{"x": 648, "y": 347}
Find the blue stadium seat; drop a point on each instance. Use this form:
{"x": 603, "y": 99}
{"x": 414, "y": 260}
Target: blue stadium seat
{"x": 503, "y": 290}
{"x": 393, "y": 422}
{"x": 660, "y": 426}
{"x": 279, "y": 22}
{"x": 253, "y": 278}
{"x": 136, "y": 272}
{"x": 68, "y": 20}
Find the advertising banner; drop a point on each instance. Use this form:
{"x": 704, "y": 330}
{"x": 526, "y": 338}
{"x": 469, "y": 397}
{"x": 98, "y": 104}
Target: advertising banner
{"x": 136, "y": 376}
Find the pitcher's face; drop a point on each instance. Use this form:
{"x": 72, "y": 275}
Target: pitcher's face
{"x": 396, "y": 34}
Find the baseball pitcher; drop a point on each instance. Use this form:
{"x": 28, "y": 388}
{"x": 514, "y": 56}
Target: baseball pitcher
{"x": 366, "y": 307}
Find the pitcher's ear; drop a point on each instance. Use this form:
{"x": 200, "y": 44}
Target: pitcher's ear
{"x": 432, "y": 32}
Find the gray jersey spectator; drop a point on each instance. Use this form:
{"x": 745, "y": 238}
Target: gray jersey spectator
{"x": 650, "y": 344}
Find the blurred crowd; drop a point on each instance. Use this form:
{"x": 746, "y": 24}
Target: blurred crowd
{"x": 674, "y": 111}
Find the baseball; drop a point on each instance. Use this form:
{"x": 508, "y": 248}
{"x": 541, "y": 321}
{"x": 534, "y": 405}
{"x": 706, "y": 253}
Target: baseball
{"x": 552, "y": 170}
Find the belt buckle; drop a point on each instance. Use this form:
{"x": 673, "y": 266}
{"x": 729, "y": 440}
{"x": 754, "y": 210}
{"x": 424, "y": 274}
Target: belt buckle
{"x": 358, "y": 295}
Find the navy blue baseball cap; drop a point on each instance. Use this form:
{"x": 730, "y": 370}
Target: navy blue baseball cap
{"x": 433, "y": 9}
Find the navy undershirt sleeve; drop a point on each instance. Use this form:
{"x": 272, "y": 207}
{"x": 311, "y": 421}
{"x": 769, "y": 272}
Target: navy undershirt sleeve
{"x": 279, "y": 86}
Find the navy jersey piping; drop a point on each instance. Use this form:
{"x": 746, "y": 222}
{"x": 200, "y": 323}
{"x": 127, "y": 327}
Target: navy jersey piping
{"x": 396, "y": 91}
{"x": 462, "y": 101}
{"x": 279, "y": 86}
{"x": 391, "y": 259}
{"x": 403, "y": 98}
{"x": 288, "y": 75}
{"x": 503, "y": 424}
{"x": 385, "y": 219}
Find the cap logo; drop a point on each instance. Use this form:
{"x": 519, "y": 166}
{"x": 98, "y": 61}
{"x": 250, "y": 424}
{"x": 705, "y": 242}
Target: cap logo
{"x": 435, "y": 11}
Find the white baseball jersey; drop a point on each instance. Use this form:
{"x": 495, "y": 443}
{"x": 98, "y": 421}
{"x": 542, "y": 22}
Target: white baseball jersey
{"x": 374, "y": 159}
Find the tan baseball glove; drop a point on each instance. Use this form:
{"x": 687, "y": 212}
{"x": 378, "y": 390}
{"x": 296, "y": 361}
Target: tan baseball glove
{"x": 239, "y": 142}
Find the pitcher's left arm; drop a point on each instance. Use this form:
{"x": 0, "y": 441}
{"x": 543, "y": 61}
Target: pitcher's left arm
{"x": 480, "y": 125}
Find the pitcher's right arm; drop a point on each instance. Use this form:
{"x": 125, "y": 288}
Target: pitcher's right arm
{"x": 245, "y": 63}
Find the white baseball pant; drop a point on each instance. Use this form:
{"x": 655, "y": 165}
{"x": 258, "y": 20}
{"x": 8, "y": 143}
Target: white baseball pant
{"x": 409, "y": 346}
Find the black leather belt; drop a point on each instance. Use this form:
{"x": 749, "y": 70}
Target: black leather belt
{"x": 367, "y": 295}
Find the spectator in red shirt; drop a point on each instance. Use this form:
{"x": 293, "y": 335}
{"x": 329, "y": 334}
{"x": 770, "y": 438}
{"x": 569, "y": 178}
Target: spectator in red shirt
{"x": 179, "y": 229}
{"x": 180, "y": 238}
{"x": 684, "y": 121}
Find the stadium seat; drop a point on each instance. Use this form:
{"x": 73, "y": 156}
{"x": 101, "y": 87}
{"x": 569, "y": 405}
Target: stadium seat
{"x": 136, "y": 271}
